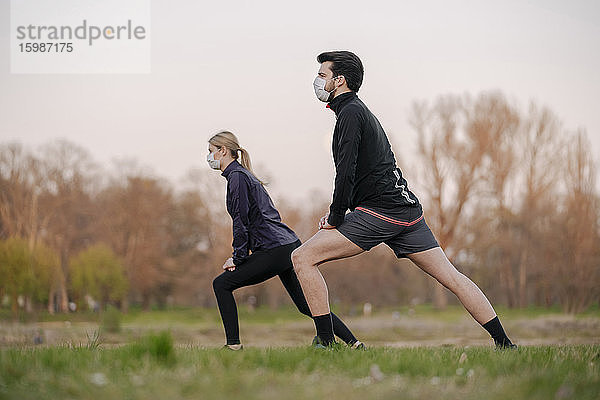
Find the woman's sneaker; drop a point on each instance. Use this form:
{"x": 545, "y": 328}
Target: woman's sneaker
{"x": 358, "y": 345}
{"x": 317, "y": 343}
{"x": 233, "y": 347}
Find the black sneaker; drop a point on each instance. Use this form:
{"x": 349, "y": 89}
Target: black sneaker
{"x": 318, "y": 343}
{"x": 506, "y": 346}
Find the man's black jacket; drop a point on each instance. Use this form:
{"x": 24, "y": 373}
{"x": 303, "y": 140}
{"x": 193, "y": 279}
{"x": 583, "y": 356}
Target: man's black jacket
{"x": 366, "y": 172}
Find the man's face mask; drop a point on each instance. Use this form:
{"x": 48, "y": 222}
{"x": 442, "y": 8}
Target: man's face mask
{"x": 319, "y": 86}
{"x": 214, "y": 164}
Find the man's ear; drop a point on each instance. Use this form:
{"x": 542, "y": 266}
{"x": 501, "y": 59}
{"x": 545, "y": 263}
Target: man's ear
{"x": 343, "y": 81}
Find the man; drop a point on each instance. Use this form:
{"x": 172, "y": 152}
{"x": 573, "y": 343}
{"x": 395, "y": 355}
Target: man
{"x": 383, "y": 209}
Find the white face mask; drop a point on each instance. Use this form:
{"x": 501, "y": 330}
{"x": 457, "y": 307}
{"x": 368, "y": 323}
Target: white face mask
{"x": 319, "y": 85}
{"x": 214, "y": 164}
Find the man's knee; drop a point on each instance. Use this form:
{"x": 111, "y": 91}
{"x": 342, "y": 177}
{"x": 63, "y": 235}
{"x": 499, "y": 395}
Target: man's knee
{"x": 299, "y": 259}
{"x": 296, "y": 257}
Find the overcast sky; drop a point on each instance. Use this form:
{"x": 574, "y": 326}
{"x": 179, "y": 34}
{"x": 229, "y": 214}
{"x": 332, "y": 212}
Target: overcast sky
{"x": 248, "y": 67}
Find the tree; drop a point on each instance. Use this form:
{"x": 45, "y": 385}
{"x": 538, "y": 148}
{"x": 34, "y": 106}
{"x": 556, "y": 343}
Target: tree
{"x": 98, "y": 272}
{"x": 187, "y": 270}
{"x": 66, "y": 203}
{"x": 25, "y": 272}
{"x": 577, "y": 270}
{"x": 134, "y": 216}
{"x": 454, "y": 137}
{"x": 517, "y": 206}
{"x": 21, "y": 185}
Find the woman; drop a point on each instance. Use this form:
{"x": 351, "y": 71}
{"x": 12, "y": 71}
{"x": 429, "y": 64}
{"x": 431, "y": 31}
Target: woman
{"x": 262, "y": 244}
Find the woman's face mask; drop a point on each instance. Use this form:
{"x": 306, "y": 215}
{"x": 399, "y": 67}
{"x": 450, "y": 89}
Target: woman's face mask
{"x": 212, "y": 162}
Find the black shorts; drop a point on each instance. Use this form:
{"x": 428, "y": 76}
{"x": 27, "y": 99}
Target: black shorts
{"x": 403, "y": 229}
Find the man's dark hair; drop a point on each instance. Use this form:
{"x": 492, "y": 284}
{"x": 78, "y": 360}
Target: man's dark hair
{"x": 345, "y": 63}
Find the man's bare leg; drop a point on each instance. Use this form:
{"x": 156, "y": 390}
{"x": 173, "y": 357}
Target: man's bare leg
{"x": 325, "y": 245}
{"x": 435, "y": 263}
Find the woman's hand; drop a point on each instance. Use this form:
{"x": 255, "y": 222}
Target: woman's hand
{"x": 229, "y": 265}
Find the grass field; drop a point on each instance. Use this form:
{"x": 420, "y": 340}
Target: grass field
{"x": 417, "y": 353}
{"x": 144, "y": 371}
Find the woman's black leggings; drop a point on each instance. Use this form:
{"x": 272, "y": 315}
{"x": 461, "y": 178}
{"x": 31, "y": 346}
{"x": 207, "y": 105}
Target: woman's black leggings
{"x": 260, "y": 266}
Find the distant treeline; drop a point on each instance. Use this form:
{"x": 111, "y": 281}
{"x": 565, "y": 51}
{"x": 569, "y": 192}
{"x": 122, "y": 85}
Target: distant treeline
{"x": 510, "y": 194}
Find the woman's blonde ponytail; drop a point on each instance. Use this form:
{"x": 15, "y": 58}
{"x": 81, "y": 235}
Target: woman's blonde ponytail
{"x": 245, "y": 159}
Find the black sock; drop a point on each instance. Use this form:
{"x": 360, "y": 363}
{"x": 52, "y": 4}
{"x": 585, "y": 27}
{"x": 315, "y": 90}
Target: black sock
{"x": 494, "y": 327}
{"x": 324, "y": 327}
{"x": 341, "y": 330}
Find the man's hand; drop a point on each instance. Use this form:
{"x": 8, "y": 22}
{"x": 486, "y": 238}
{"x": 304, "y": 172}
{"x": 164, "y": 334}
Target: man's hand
{"x": 229, "y": 265}
{"x": 323, "y": 224}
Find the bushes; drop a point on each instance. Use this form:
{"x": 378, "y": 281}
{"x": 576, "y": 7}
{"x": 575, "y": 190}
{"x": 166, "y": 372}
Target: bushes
{"x": 158, "y": 346}
{"x": 111, "y": 320}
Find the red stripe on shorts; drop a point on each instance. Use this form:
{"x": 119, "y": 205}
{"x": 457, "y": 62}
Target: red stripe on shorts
{"x": 388, "y": 219}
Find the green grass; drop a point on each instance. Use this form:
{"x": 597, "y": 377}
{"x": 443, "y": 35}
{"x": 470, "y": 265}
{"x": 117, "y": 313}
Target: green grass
{"x": 194, "y": 315}
{"x": 151, "y": 369}
{"x": 173, "y": 354}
